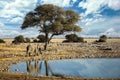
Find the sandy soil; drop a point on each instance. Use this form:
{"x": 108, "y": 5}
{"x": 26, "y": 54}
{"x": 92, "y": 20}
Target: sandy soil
{"x": 10, "y": 53}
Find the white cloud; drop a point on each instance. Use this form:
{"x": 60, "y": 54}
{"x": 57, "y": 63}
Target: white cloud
{"x": 8, "y": 33}
{"x": 17, "y": 8}
{"x": 74, "y": 0}
{"x": 61, "y": 3}
{"x": 108, "y": 26}
{"x": 1, "y": 24}
{"x": 16, "y": 20}
{"x": 10, "y": 13}
{"x": 114, "y": 4}
{"x": 22, "y": 4}
{"x": 94, "y": 6}
{"x": 99, "y": 22}
{"x": 3, "y": 3}
{"x": 111, "y": 33}
{"x": 13, "y": 11}
{"x": 11, "y": 33}
{"x": 93, "y": 20}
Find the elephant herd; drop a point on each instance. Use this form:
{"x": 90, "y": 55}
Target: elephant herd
{"x": 30, "y": 50}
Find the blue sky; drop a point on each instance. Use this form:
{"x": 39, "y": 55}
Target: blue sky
{"x": 97, "y": 16}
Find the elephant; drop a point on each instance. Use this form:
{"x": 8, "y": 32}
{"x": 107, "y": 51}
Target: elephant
{"x": 37, "y": 50}
{"x": 30, "y": 50}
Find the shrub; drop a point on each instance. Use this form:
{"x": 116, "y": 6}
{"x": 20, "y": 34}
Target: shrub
{"x": 19, "y": 39}
{"x": 80, "y": 39}
{"x": 27, "y": 40}
{"x": 73, "y": 38}
{"x": 35, "y": 40}
{"x": 102, "y": 38}
{"x": 2, "y": 41}
{"x": 41, "y": 38}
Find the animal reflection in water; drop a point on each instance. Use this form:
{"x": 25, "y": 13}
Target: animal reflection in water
{"x": 30, "y": 50}
{"x": 36, "y": 66}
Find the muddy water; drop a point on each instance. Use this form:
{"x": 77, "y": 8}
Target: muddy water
{"x": 85, "y": 68}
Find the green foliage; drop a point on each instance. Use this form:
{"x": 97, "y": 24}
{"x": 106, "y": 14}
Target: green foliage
{"x": 51, "y": 20}
{"x": 2, "y": 41}
{"x": 35, "y": 40}
{"x": 41, "y": 38}
{"x": 73, "y": 38}
{"x": 27, "y": 40}
{"x": 81, "y": 39}
{"x": 103, "y": 38}
{"x": 18, "y": 39}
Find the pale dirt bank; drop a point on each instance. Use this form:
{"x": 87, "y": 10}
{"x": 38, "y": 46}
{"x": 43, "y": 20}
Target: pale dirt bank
{"x": 18, "y": 76}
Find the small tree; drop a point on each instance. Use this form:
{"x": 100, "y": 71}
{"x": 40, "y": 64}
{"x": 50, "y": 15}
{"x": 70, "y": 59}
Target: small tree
{"x": 2, "y": 41}
{"x": 73, "y": 38}
{"x": 35, "y": 40}
{"x": 19, "y": 39}
{"x": 51, "y": 20}
{"x": 41, "y": 38}
{"x": 103, "y": 38}
{"x": 27, "y": 40}
{"x": 81, "y": 39}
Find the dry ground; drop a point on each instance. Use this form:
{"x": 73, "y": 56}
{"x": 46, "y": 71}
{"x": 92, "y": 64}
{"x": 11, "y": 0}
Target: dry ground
{"x": 10, "y": 53}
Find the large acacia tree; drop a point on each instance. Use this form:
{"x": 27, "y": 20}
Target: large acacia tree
{"x": 51, "y": 20}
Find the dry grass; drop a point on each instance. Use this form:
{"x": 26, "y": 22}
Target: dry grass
{"x": 11, "y": 48}
{"x": 9, "y": 40}
{"x": 55, "y": 50}
{"x": 54, "y": 47}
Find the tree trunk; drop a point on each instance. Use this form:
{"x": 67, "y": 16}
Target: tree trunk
{"x": 45, "y": 46}
{"x": 46, "y": 41}
{"x": 50, "y": 38}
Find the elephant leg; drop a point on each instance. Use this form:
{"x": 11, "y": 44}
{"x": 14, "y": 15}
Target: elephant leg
{"x": 35, "y": 51}
{"x": 39, "y": 51}
{"x": 29, "y": 53}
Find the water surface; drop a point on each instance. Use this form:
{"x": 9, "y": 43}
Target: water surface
{"x": 85, "y": 68}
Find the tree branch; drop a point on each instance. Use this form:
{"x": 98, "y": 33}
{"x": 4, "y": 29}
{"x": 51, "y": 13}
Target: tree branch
{"x": 50, "y": 38}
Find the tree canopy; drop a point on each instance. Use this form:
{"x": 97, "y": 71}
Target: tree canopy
{"x": 103, "y": 38}
{"x": 2, "y": 41}
{"x": 51, "y": 20}
{"x": 73, "y": 38}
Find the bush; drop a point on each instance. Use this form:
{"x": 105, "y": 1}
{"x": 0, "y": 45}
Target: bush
{"x": 41, "y": 38}
{"x": 35, "y": 40}
{"x": 73, "y": 38}
{"x": 80, "y": 39}
{"x": 19, "y": 39}
{"x": 102, "y": 38}
{"x": 27, "y": 40}
{"x": 2, "y": 41}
